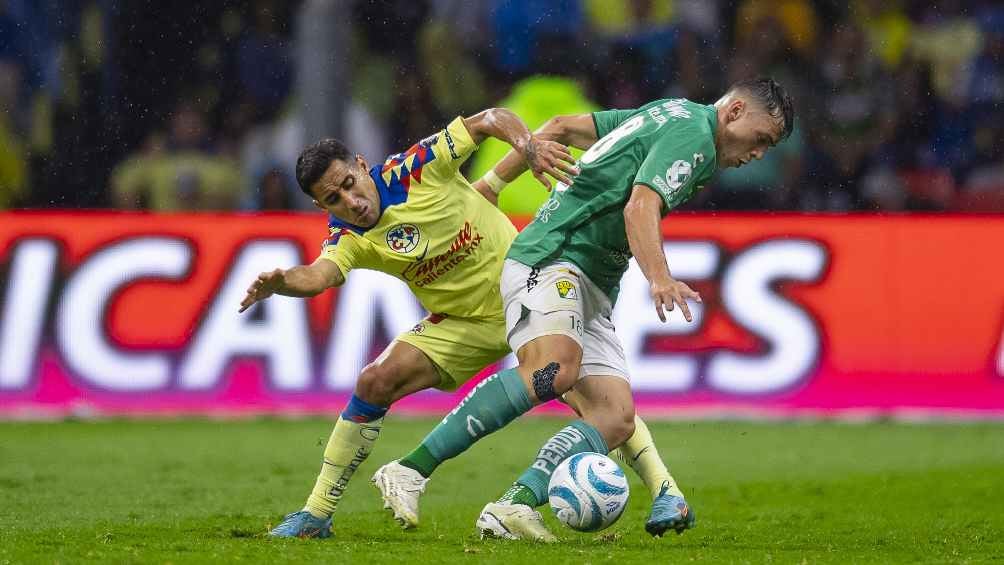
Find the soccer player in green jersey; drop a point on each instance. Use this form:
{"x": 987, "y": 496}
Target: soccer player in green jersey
{"x": 562, "y": 274}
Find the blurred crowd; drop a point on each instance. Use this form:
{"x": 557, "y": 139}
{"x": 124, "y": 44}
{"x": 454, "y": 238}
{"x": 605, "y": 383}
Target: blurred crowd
{"x": 107, "y": 103}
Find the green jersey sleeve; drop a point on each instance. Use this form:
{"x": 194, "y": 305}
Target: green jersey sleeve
{"x": 607, "y": 120}
{"x": 674, "y": 167}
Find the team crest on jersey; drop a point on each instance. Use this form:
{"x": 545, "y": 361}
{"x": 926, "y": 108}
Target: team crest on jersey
{"x": 403, "y": 238}
{"x": 566, "y": 289}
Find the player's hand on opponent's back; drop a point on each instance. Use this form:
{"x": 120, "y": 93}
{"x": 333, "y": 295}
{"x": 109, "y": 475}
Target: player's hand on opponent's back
{"x": 550, "y": 157}
{"x": 669, "y": 292}
{"x": 264, "y": 286}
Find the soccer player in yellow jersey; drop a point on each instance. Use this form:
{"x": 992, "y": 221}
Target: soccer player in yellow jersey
{"x": 417, "y": 218}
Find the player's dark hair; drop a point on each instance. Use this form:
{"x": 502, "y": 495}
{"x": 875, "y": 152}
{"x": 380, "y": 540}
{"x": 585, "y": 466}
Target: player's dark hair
{"x": 315, "y": 160}
{"x": 774, "y": 98}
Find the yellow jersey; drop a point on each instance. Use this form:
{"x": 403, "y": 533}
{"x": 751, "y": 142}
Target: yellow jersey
{"x": 435, "y": 232}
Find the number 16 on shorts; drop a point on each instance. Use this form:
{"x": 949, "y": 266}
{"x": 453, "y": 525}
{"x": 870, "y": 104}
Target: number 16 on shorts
{"x": 576, "y": 323}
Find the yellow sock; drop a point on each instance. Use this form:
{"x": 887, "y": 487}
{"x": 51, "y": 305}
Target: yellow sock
{"x": 349, "y": 445}
{"x": 640, "y": 453}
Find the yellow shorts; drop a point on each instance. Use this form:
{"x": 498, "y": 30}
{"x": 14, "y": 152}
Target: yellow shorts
{"x": 459, "y": 347}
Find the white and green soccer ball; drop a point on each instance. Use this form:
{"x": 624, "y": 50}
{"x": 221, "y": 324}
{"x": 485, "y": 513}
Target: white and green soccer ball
{"x": 588, "y": 492}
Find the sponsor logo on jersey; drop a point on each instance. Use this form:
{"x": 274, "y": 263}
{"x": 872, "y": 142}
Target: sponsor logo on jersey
{"x": 544, "y": 212}
{"x": 566, "y": 289}
{"x": 676, "y": 108}
{"x": 419, "y": 328}
{"x": 426, "y": 271}
{"x": 403, "y": 238}
{"x": 661, "y": 184}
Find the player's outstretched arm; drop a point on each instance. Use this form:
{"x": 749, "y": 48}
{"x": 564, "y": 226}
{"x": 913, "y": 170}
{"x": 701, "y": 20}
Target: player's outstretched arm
{"x": 641, "y": 220}
{"x": 577, "y": 130}
{"x": 301, "y": 281}
{"x": 542, "y": 156}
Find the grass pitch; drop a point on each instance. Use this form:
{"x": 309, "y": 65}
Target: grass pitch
{"x": 206, "y": 491}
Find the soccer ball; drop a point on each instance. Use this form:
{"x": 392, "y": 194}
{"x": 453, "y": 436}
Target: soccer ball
{"x": 588, "y": 492}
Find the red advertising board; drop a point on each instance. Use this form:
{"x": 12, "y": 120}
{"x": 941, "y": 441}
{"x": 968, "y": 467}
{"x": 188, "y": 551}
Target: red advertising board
{"x": 802, "y": 315}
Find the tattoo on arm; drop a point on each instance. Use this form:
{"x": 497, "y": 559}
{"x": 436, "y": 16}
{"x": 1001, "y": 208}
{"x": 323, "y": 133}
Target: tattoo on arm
{"x": 531, "y": 150}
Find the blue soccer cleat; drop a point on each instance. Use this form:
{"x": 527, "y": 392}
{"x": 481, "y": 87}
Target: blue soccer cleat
{"x": 669, "y": 513}
{"x": 302, "y": 524}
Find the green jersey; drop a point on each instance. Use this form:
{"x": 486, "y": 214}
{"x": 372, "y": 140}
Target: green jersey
{"x": 666, "y": 145}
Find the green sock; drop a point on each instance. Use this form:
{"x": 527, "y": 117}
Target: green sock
{"x": 577, "y": 437}
{"x": 496, "y": 401}
{"x": 421, "y": 460}
{"x": 519, "y": 494}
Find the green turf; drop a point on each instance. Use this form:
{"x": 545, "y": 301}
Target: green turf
{"x": 201, "y": 491}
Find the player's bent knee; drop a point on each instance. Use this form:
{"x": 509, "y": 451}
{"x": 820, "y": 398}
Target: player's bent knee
{"x": 615, "y": 429}
{"x": 552, "y": 364}
{"x": 625, "y": 429}
{"x": 615, "y": 432}
{"x": 376, "y": 384}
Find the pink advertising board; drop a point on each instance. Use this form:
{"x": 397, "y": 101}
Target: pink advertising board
{"x": 803, "y": 316}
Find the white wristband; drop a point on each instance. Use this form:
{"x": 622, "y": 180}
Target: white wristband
{"x": 494, "y": 182}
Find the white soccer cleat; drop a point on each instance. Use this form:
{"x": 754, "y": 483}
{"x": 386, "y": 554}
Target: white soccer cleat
{"x": 513, "y": 521}
{"x": 400, "y": 488}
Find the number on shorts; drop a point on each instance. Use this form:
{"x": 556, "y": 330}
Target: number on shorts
{"x": 576, "y": 325}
